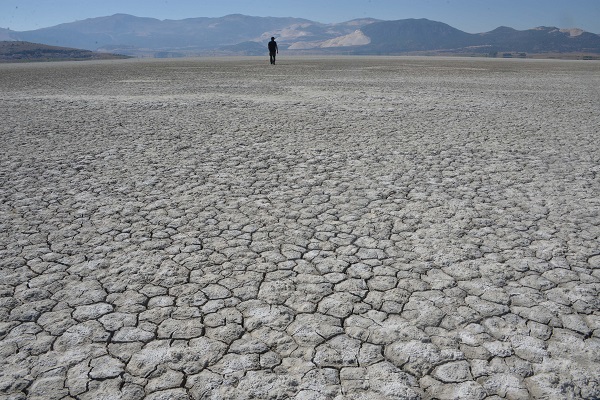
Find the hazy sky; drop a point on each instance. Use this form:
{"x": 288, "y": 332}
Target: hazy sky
{"x": 472, "y": 16}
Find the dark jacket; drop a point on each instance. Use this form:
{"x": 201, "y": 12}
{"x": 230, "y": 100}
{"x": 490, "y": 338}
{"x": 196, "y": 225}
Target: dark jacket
{"x": 273, "y": 46}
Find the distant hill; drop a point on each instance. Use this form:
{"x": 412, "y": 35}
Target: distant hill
{"x": 246, "y": 35}
{"x": 15, "y": 51}
{"x": 127, "y": 31}
{"x": 418, "y": 35}
{"x": 414, "y": 35}
{"x": 540, "y": 40}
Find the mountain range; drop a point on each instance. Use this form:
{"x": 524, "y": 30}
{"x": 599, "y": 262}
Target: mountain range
{"x": 246, "y": 35}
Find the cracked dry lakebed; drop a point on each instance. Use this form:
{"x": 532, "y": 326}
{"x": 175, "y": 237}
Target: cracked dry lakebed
{"x": 326, "y": 228}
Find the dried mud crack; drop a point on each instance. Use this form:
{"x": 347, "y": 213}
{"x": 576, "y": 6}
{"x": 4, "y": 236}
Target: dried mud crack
{"x": 338, "y": 228}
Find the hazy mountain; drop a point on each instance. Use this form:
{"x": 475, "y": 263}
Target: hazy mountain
{"x": 15, "y": 51}
{"x": 422, "y": 35}
{"x": 541, "y": 40}
{"x": 414, "y": 35}
{"x": 149, "y": 33}
{"x": 241, "y": 34}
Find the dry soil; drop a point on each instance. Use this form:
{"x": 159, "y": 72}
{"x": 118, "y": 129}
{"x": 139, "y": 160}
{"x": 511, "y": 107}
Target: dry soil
{"x": 334, "y": 228}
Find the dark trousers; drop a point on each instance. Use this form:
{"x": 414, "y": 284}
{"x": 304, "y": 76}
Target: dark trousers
{"x": 272, "y": 57}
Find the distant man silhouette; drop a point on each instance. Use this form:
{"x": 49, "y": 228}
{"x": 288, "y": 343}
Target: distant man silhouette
{"x": 273, "y": 50}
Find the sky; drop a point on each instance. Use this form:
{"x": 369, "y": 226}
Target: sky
{"x": 473, "y": 16}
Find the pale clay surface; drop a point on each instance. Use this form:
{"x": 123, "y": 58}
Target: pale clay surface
{"x": 385, "y": 228}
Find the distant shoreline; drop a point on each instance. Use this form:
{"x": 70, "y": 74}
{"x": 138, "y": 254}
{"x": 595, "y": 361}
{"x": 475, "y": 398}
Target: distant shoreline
{"x": 25, "y": 52}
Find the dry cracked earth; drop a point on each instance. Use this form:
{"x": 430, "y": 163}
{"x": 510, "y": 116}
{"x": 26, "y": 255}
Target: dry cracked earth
{"x": 340, "y": 228}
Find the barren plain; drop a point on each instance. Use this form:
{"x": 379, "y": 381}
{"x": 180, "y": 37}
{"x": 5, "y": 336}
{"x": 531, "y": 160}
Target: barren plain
{"x": 334, "y": 228}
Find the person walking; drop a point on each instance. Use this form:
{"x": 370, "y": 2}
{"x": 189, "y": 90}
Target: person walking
{"x": 273, "y": 50}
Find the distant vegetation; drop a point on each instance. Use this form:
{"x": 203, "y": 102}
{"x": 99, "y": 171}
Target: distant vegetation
{"x": 28, "y": 52}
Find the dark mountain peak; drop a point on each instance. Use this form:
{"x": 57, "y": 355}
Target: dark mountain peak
{"x": 249, "y": 18}
{"x": 414, "y": 35}
{"x": 422, "y": 27}
{"x": 114, "y": 18}
{"x": 501, "y": 29}
{"x": 115, "y": 23}
{"x": 125, "y": 18}
{"x": 230, "y": 17}
{"x": 122, "y": 16}
{"x": 422, "y": 22}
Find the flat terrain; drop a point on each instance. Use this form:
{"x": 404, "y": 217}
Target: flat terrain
{"x": 342, "y": 228}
